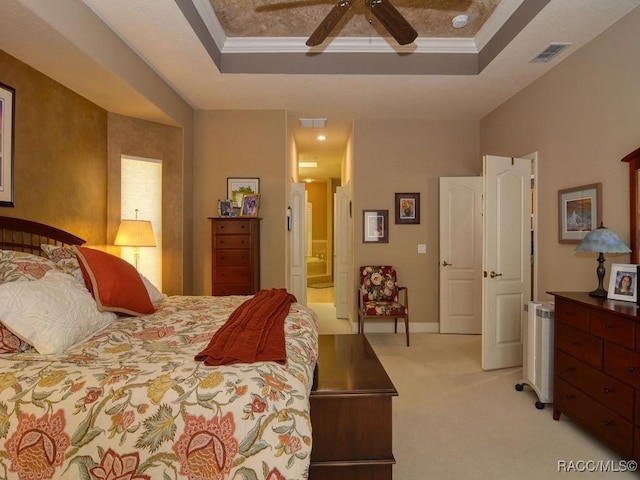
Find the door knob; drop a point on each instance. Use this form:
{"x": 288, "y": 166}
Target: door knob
{"x": 446, "y": 264}
{"x": 494, "y": 274}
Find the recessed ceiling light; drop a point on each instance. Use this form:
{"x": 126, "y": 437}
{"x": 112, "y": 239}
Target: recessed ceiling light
{"x": 308, "y": 164}
{"x": 321, "y": 138}
{"x": 459, "y": 21}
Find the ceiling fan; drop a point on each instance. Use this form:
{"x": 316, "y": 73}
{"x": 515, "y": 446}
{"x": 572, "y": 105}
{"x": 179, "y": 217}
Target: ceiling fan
{"x": 390, "y": 18}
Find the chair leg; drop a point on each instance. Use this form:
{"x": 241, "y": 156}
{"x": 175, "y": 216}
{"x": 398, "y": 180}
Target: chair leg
{"x": 406, "y": 328}
{"x": 395, "y": 325}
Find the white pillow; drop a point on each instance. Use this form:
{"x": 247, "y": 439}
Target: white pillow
{"x": 156, "y": 296}
{"x": 52, "y": 313}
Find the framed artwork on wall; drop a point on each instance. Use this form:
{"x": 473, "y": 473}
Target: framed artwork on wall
{"x": 407, "y": 208}
{"x": 623, "y": 282}
{"x": 579, "y": 212}
{"x": 7, "y": 117}
{"x": 237, "y": 187}
{"x": 375, "y": 226}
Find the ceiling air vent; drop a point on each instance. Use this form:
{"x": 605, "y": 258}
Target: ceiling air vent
{"x": 550, "y": 52}
{"x": 313, "y": 122}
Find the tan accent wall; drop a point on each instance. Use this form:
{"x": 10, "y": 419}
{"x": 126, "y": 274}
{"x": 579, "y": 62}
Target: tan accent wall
{"x": 582, "y": 117}
{"x": 317, "y": 195}
{"x": 67, "y": 164}
{"x": 139, "y": 138}
{"x": 60, "y": 172}
{"x": 241, "y": 144}
{"x": 394, "y": 156}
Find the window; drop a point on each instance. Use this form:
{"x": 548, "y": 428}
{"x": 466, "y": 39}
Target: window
{"x": 141, "y": 190}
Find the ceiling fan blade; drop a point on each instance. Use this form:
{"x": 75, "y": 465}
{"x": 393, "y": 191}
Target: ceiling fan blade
{"x": 393, "y": 21}
{"x": 329, "y": 23}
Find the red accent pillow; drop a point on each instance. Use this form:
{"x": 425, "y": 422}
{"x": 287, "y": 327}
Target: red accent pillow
{"x": 114, "y": 283}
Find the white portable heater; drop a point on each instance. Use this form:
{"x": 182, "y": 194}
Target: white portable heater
{"x": 537, "y": 365}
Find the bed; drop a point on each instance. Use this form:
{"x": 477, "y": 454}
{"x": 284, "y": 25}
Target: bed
{"x": 124, "y": 398}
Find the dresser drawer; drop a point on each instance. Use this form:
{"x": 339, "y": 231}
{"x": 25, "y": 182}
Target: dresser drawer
{"x": 232, "y": 227}
{"x": 614, "y": 328}
{"x": 232, "y": 275}
{"x": 612, "y": 393}
{"x": 622, "y": 364}
{"x": 230, "y": 257}
{"x": 604, "y": 423}
{"x": 581, "y": 345}
{"x": 572, "y": 314}
{"x": 222, "y": 289}
{"x": 232, "y": 241}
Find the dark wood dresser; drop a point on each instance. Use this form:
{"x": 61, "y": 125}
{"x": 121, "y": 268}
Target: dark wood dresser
{"x": 235, "y": 255}
{"x": 597, "y": 368}
{"x": 351, "y": 412}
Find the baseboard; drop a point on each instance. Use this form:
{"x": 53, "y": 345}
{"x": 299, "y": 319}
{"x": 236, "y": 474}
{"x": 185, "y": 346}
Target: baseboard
{"x": 382, "y": 326}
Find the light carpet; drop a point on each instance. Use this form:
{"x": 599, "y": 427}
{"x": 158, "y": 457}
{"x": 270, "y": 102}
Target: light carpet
{"x": 452, "y": 420}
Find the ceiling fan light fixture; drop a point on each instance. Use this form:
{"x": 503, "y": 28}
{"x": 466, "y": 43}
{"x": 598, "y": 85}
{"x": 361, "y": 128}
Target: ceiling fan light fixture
{"x": 321, "y": 138}
{"x": 460, "y": 21}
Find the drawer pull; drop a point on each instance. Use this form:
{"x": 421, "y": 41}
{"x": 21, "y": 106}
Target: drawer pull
{"x": 631, "y": 369}
{"x": 607, "y": 390}
{"x": 569, "y": 369}
{"x": 608, "y": 326}
{"x": 569, "y": 314}
{"x": 569, "y": 397}
{"x": 608, "y": 423}
{"x": 574, "y": 343}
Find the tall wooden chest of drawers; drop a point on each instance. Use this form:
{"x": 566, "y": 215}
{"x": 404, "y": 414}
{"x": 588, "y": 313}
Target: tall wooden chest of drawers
{"x": 235, "y": 255}
{"x": 597, "y": 368}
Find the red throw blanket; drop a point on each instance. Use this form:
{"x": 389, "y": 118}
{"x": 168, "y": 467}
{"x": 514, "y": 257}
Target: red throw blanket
{"x": 253, "y": 333}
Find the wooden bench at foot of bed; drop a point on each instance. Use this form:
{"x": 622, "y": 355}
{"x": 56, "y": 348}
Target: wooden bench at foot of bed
{"x": 351, "y": 412}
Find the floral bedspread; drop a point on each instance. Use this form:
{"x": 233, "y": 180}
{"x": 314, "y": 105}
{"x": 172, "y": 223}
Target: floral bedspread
{"x": 131, "y": 403}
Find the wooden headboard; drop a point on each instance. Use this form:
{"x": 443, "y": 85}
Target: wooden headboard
{"x": 27, "y": 236}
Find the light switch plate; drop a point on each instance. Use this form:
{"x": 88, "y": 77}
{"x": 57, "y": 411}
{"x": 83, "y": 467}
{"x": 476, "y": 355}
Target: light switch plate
{"x": 422, "y": 248}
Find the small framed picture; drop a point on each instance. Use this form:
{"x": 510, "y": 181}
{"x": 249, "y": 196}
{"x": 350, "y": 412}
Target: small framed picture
{"x": 250, "y": 205}
{"x": 226, "y": 210}
{"x": 580, "y": 211}
{"x": 407, "y": 208}
{"x": 623, "y": 282}
{"x": 375, "y": 226}
{"x": 238, "y": 186}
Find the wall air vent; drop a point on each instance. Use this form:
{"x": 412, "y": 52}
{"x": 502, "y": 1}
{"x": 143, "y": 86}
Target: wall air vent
{"x": 550, "y": 52}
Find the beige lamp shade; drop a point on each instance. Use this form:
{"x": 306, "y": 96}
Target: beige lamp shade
{"x": 135, "y": 233}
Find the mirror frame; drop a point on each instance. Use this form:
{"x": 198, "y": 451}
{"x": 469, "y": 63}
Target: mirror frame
{"x": 634, "y": 208}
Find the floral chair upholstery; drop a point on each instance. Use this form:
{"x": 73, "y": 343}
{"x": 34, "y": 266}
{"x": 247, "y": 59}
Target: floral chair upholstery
{"x": 380, "y": 297}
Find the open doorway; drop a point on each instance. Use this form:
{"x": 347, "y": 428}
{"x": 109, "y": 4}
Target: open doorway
{"x": 320, "y": 225}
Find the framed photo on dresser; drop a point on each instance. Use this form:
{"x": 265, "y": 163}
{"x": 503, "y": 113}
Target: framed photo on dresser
{"x": 623, "y": 282}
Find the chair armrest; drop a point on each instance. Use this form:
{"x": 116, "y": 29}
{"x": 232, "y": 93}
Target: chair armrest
{"x": 404, "y": 296}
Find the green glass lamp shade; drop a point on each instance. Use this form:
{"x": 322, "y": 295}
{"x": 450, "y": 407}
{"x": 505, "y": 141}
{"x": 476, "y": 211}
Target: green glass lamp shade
{"x": 601, "y": 240}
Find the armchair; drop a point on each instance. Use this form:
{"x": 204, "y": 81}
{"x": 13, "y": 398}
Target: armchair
{"x": 380, "y": 297}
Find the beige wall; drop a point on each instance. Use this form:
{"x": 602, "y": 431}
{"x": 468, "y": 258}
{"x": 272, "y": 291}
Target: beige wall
{"x": 582, "y": 118}
{"x": 408, "y": 156}
{"x": 241, "y": 144}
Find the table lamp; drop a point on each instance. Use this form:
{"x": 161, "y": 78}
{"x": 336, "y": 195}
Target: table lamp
{"x": 601, "y": 240}
{"x": 135, "y": 233}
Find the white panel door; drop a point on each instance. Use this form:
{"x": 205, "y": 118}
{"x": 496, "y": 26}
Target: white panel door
{"x": 461, "y": 255}
{"x": 298, "y": 280}
{"x": 506, "y": 260}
